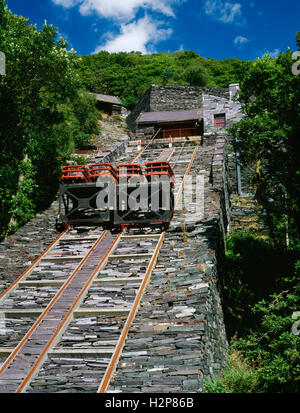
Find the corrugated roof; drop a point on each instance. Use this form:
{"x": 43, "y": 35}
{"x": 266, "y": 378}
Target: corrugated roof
{"x": 171, "y": 116}
{"x": 109, "y": 99}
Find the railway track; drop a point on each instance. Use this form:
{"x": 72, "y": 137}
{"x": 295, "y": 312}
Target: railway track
{"x": 87, "y": 281}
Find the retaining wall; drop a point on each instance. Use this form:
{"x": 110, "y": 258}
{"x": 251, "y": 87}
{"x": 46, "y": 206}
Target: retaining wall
{"x": 178, "y": 339}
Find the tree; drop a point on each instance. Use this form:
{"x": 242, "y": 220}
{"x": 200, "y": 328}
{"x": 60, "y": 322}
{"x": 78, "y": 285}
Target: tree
{"x": 167, "y": 75}
{"x": 268, "y": 139}
{"x": 271, "y": 347}
{"x": 128, "y": 75}
{"x": 43, "y": 116}
{"x": 195, "y": 75}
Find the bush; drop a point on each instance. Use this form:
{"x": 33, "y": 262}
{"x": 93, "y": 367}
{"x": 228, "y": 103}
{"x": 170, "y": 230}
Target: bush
{"x": 238, "y": 377}
{"x": 271, "y": 346}
{"x": 216, "y": 386}
{"x": 261, "y": 292}
{"x": 254, "y": 269}
{"x": 195, "y": 75}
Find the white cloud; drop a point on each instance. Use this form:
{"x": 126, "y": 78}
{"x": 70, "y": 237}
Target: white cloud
{"x": 140, "y": 35}
{"x": 66, "y": 3}
{"x": 275, "y": 53}
{"x": 224, "y": 11}
{"x": 239, "y": 40}
{"x": 133, "y": 35}
{"x": 123, "y": 10}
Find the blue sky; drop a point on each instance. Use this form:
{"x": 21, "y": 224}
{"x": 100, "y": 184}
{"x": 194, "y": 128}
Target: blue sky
{"x": 212, "y": 28}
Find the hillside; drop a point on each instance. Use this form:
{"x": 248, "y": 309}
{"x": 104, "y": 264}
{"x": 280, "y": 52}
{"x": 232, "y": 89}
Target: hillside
{"x": 129, "y": 75}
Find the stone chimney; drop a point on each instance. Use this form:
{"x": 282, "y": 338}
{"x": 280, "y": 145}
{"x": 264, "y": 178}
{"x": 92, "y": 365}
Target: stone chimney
{"x": 233, "y": 89}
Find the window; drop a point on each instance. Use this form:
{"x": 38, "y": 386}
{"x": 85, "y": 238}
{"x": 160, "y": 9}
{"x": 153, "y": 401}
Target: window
{"x": 220, "y": 121}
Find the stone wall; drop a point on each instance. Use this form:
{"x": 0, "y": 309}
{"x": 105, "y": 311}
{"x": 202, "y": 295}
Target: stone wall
{"x": 172, "y": 98}
{"x": 178, "y": 339}
{"x": 142, "y": 106}
{"x": 218, "y": 211}
{"x": 214, "y": 104}
{"x": 113, "y": 153}
{"x": 231, "y": 165}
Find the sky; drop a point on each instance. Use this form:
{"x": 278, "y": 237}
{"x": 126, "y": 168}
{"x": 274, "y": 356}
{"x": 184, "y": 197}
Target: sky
{"x": 220, "y": 29}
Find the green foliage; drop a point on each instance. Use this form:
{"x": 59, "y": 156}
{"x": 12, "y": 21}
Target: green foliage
{"x": 271, "y": 346}
{"x": 21, "y": 206}
{"x": 85, "y": 118}
{"x": 129, "y": 75}
{"x": 262, "y": 277}
{"x": 254, "y": 268}
{"x": 238, "y": 377}
{"x": 195, "y": 75}
{"x": 261, "y": 292}
{"x": 78, "y": 159}
{"x": 167, "y": 75}
{"x": 268, "y": 139}
{"x": 45, "y": 115}
{"x": 216, "y": 386}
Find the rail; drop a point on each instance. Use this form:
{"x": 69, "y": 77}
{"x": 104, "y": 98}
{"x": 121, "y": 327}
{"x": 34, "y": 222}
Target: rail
{"x": 117, "y": 353}
{"x": 26, "y": 359}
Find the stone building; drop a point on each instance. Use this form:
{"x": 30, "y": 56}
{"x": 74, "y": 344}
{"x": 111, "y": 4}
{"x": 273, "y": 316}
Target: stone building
{"x": 217, "y": 106}
{"x": 111, "y": 105}
{"x": 220, "y": 111}
{"x": 179, "y": 123}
